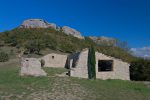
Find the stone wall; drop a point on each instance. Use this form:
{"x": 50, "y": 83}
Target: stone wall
{"x": 80, "y": 69}
{"x": 120, "y": 68}
{"x": 55, "y": 60}
{"x": 31, "y": 66}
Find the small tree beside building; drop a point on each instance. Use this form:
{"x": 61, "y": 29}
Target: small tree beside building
{"x": 91, "y": 63}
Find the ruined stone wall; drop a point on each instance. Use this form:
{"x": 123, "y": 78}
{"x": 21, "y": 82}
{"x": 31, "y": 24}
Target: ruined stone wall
{"x": 55, "y": 60}
{"x": 120, "y": 68}
{"x": 31, "y": 66}
{"x": 72, "y": 60}
{"x": 81, "y": 69}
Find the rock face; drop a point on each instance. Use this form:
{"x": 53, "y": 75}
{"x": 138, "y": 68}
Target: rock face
{"x": 31, "y": 66}
{"x": 107, "y": 41}
{"x": 71, "y": 31}
{"x": 37, "y": 23}
{"x": 40, "y": 23}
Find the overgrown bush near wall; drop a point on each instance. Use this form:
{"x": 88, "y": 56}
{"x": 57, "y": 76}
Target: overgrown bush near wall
{"x": 140, "y": 70}
{"x": 42, "y": 62}
{"x": 3, "y": 57}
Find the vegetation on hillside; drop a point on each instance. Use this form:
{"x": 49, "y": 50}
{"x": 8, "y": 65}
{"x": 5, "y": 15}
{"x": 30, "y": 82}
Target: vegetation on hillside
{"x": 35, "y": 40}
{"x": 3, "y": 57}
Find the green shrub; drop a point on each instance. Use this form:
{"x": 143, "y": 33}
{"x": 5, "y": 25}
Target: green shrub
{"x": 3, "y": 57}
{"x": 42, "y": 62}
{"x": 140, "y": 70}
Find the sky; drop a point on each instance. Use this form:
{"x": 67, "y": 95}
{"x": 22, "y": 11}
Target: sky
{"x": 126, "y": 20}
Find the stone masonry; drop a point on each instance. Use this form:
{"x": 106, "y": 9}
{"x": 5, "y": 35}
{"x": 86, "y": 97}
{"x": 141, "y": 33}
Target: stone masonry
{"x": 31, "y": 66}
{"x": 77, "y": 63}
{"x": 120, "y": 68}
{"x": 55, "y": 60}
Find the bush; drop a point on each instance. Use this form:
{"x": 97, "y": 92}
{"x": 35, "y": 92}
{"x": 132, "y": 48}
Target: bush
{"x": 42, "y": 63}
{"x": 3, "y": 57}
{"x": 140, "y": 70}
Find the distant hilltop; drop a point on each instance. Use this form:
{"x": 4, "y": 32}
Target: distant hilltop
{"x": 40, "y": 23}
{"x": 102, "y": 40}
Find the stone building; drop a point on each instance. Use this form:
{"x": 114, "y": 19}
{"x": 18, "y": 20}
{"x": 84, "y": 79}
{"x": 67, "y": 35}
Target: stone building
{"x": 106, "y": 67}
{"x": 55, "y": 60}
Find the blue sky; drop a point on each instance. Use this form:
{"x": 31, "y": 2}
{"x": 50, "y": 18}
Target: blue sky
{"x": 127, "y": 20}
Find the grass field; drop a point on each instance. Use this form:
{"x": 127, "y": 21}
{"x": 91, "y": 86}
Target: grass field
{"x": 53, "y": 87}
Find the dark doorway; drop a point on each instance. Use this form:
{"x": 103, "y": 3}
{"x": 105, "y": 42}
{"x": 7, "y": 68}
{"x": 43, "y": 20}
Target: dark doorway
{"x": 52, "y": 57}
{"x": 105, "y": 65}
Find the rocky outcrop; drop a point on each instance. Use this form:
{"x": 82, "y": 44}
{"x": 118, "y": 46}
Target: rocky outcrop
{"x": 32, "y": 67}
{"x": 107, "y": 41}
{"x": 40, "y": 23}
{"x": 37, "y": 23}
{"x": 71, "y": 31}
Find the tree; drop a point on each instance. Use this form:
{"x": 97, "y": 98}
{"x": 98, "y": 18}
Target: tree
{"x": 140, "y": 70}
{"x": 91, "y": 63}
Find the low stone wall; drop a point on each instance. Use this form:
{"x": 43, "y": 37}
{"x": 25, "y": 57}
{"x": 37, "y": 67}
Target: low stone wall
{"x": 55, "y": 60}
{"x": 31, "y": 66}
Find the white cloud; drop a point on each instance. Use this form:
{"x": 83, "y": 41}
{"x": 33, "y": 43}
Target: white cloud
{"x": 141, "y": 52}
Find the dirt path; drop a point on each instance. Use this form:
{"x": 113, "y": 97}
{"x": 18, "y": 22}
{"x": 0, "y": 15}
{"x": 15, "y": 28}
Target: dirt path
{"x": 62, "y": 89}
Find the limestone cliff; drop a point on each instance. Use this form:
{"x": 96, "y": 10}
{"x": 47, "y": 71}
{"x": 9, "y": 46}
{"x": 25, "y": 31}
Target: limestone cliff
{"x": 107, "y": 41}
{"x": 71, "y": 31}
{"x": 37, "y": 23}
{"x": 40, "y": 23}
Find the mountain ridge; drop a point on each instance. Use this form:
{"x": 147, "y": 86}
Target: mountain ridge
{"x": 40, "y": 23}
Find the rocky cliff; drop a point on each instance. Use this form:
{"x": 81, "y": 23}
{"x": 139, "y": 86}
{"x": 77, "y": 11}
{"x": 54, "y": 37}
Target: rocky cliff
{"x": 37, "y": 23}
{"x": 40, "y": 23}
{"x": 71, "y": 31}
{"x": 107, "y": 41}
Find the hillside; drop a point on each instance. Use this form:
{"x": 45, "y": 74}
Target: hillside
{"x": 33, "y": 40}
